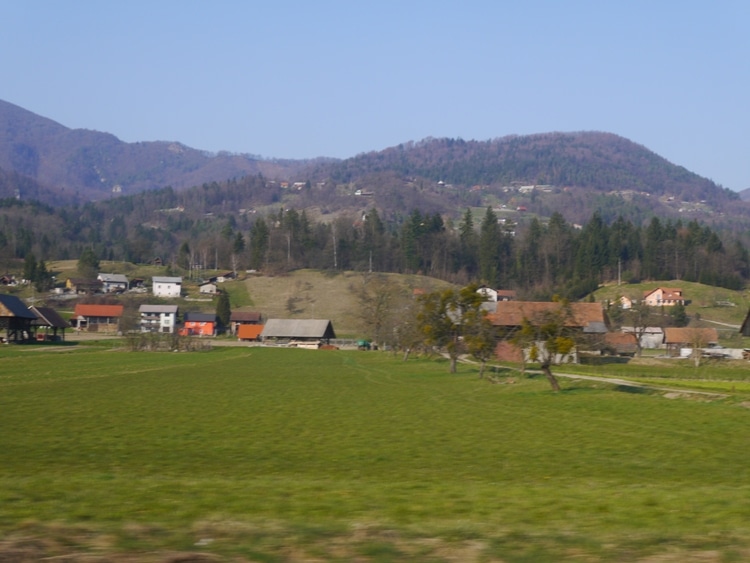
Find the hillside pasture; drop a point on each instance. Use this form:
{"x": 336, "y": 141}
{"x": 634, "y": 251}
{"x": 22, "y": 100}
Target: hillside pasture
{"x": 708, "y": 303}
{"x": 256, "y": 454}
{"x": 307, "y": 294}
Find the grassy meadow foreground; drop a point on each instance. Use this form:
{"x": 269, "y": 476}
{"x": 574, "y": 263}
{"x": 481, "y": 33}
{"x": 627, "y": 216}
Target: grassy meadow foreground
{"x": 257, "y": 454}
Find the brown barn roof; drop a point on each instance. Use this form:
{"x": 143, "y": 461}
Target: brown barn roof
{"x": 512, "y": 313}
{"x": 244, "y": 317}
{"x": 622, "y": 342}
{"x": 84, "y": 282}
{"x": 46, "y": 316}
{"x": 675, "y": 335}
{"x": 88, "y": 310}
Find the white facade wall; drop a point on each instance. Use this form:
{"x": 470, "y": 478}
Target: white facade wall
{"x": 167, "y": 287}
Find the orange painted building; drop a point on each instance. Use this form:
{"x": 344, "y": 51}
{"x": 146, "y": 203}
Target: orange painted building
{"x": 199, "y": 324}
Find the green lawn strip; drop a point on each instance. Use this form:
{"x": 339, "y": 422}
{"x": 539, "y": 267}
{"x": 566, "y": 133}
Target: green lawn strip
{"x": 672, "y": 369}
{"x": 740, "y": 388}
{"x": 114, "y": 439}
{"x": 238, "y": 294}
{"x": 713, "y": 376}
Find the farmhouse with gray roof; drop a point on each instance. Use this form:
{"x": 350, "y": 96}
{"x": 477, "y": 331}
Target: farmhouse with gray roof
{"x": 299, "y": 330}
{"x": 113, "y": 282}
{"x": 158, "y": 318}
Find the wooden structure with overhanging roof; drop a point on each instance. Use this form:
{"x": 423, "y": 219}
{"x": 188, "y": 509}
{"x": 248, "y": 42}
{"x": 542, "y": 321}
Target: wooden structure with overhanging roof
{"x": 15, "y": 319}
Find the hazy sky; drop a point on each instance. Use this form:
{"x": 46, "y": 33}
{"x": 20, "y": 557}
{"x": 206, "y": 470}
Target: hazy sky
{"x": 298, "y": 79}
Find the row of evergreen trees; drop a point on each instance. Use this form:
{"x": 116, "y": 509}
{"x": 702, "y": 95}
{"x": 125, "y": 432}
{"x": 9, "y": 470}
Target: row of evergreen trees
{"x": 538, "y": 258}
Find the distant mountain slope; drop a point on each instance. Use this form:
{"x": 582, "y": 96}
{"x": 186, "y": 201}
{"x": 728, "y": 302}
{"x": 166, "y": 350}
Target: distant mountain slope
{"x": 18, "y": 186}
{"x": 94, "y": 165}
{"x": 593, "y": 160}
{"x": 435, "y": 175}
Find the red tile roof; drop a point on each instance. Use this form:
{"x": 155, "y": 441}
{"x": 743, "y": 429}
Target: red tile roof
{"x": 87, "y": 310}
{"x": 249, "y": 332}
{"x": 622, "y": 342}
{"x": 675, "y": 335}
{"x": 668, "y": 293}
{"x": 512, "y": 313}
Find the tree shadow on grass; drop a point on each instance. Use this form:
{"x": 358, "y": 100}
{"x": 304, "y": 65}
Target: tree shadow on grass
{"x": 633, "y": 389}
{"x": 581, "y": 386}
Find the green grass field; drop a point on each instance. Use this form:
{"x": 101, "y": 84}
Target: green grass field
{"x": 258, "y": 454}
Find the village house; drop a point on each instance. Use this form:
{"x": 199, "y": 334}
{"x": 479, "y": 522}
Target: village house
{"x": 207, "y": 288}
{"x": 620, "y": 343}
{"x": 238, "y": 319}
{"x": 624, "y": 302}
{"x": 97, "y": 318}
{"x": 113, "y": 283}
{"x": 164, "y": 286}
{"x": 158, "y": 318}
{"x": 198, "y": 324}
{"x": 651, "y": 337}
{"x": 505, "y": 295}
{"x": 488, "y": 293}
{"x": 302, "y": 333}
{"x": 681, "y": 341}
{"x": 663, "y": 297}
{"x": 509, "y": 316}
{"x": 249, "y": 332}
{"x": 82, "y": 286}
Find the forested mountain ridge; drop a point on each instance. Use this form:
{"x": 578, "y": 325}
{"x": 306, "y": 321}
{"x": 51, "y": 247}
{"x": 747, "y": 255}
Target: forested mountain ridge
{"x": 598, "y": 161}
{"x": 90, "y": 165}
{"x": 71, "y": 165}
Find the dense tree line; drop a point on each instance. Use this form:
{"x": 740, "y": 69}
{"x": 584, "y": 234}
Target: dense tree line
{"x": 538, "y": 258}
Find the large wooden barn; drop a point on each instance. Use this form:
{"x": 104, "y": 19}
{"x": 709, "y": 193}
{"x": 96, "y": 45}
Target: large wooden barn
{"x": 303, "y": 333}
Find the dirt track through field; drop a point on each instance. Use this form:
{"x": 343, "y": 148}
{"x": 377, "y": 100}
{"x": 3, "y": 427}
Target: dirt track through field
{"x": 626, "y": 383}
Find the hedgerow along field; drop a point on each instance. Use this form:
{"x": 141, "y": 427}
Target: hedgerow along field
{"x": 259, "y": 454}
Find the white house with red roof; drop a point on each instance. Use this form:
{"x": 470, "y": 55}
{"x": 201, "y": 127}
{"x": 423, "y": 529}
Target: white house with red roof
{"x": 663, "y": 297}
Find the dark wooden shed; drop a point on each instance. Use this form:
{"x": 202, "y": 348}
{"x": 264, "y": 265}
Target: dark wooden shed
{"x": 48, "y": 321}
{"x": 15, "y": 319}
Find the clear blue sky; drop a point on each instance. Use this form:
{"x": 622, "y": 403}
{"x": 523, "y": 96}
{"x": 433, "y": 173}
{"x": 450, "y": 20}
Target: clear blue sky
{"x": 298, "y": 79}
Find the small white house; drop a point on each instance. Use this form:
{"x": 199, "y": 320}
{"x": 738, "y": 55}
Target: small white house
{"x": 488, "y": 293}
{"x": 207, "y": 288}
{"x": 158, "y": 318}
{"x": 651, "y": 337}
{"x": 167, "y": 286}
